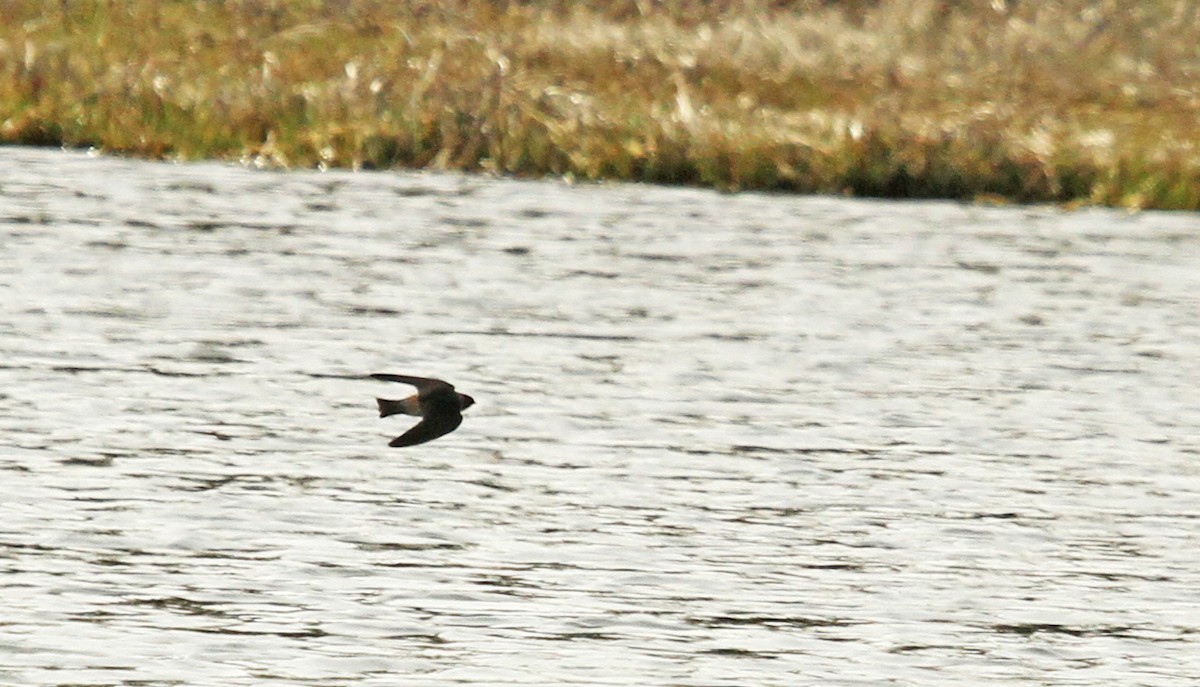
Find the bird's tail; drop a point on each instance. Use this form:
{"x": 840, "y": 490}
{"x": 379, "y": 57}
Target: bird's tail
{"x": 408, "y": 406}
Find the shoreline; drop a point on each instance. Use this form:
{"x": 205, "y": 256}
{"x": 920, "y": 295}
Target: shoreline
{"x": 1079, "y": 104}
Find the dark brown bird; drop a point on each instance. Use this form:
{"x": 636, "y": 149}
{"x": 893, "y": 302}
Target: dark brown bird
{"x": 436, "y": 402}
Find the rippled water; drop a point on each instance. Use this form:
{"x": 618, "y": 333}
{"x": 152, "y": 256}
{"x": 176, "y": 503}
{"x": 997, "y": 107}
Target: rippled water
{"x": 719, "y": 440}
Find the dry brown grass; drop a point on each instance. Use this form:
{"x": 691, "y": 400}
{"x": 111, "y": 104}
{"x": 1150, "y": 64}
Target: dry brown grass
{"x": 1067, "y": 101}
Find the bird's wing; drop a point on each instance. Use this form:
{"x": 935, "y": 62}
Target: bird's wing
{"x": 432, "y": 427}
{"x": 422, "y": 383}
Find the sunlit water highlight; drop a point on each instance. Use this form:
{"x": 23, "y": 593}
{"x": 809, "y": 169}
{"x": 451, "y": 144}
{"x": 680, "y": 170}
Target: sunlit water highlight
{"x": 719, "y": 440}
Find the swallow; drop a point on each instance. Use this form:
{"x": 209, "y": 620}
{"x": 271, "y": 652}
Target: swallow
{"x": 436, "y": 402}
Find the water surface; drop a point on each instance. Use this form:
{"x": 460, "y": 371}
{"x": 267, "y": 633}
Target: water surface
{"x": 720, "y": 440}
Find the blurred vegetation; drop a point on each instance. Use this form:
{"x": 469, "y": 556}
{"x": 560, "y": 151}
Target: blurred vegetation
{"x": 1071, "y": 101}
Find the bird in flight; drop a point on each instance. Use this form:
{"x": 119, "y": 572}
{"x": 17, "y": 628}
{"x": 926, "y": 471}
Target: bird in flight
{"x": 436, "y": 402}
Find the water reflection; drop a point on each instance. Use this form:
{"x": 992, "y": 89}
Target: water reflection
{"x": 719, "y": 440}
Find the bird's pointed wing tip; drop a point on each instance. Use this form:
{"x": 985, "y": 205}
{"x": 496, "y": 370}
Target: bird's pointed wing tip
{"x": 419, "y": 382}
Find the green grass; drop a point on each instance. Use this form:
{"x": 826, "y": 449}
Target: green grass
{"x": 1064, "y": 101}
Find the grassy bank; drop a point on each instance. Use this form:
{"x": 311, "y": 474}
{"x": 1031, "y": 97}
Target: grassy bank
{"x": 1062, "y": 101}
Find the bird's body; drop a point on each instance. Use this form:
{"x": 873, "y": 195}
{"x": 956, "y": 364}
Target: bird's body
{"x": 436, "y": 402}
